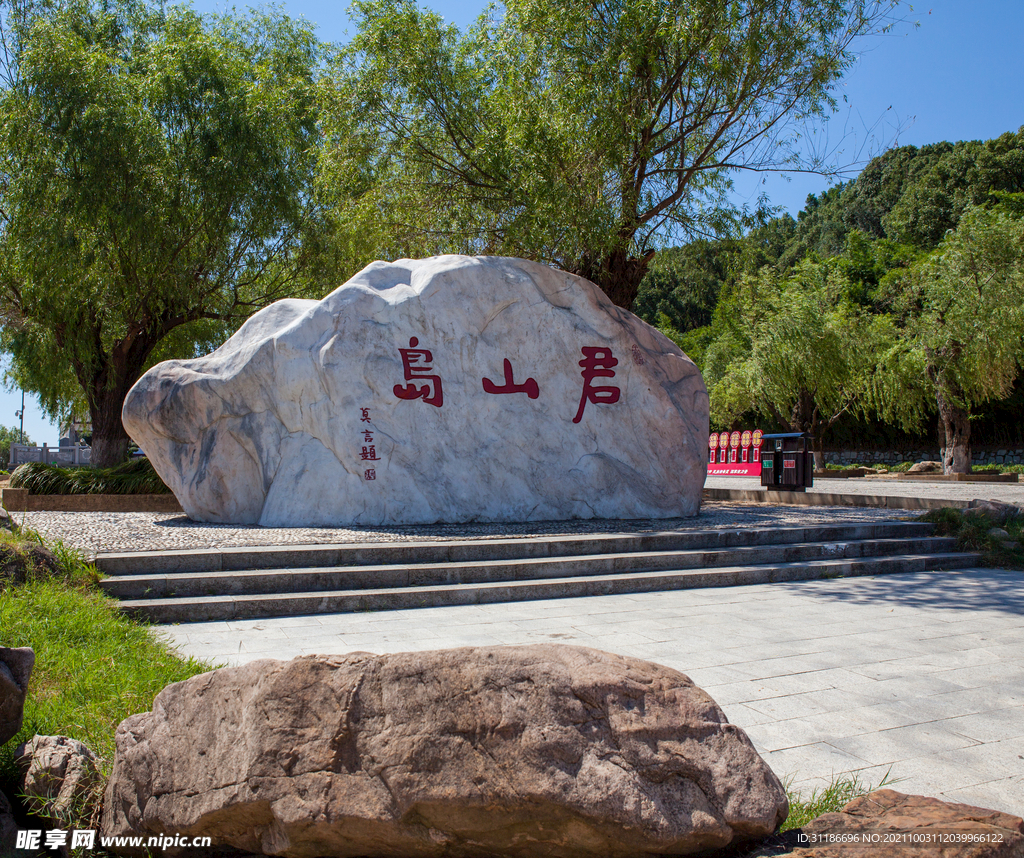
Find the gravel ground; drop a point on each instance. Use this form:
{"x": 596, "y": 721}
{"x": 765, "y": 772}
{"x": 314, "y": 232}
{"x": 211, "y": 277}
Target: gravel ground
{"x": 99, "y": 532}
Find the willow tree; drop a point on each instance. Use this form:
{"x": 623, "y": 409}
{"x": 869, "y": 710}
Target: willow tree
{"x": 961, "y": 328}
{"x": 796, "y": 349}
{"x": 579, "y": 132}
{"x": 155, "y": 173}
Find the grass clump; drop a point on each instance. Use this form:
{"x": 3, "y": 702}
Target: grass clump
{"x": 830, "y": 799}
{"x": 131, "y": 478}
{"x": 975, "y": 532}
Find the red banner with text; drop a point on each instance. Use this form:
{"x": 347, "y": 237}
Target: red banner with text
{"x": 735, "y": 454}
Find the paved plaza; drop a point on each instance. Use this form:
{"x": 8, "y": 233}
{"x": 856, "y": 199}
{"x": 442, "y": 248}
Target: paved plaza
{"x": 915, "y": 677}
{"x": 885, "y": 486}
{"x": 918, "y": 677}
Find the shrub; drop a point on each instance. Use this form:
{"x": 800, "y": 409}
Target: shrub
{"x": 131, "y": 478}
{"x": 973, "y": 533}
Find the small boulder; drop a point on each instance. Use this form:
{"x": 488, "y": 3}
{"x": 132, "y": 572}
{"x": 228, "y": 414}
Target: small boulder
{"x": 994, "y": 511}
{"x": 506, "y": 751}
{"x": 889, "y": 824}
{"x": 61, "y": 777}
{"x": 15, "y": 669}
{"x": 926, "y": 468}
{"x": 8, "y": 827}
{"x": 27, "y": 561}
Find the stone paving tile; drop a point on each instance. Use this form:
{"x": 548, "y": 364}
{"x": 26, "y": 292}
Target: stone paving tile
{"x": 937, "y": 716}
{"x": 860, "y": 720}
{"x": 1005, "y": 792}
{"x": 783, "y": 735}
{"x": 988, "y": 726}
{"x": 901, "y": 743}
{"x": 825, "y": 760}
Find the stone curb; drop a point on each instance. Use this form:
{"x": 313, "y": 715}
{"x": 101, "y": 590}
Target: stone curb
{"x": 827, "y": 499}
{"x": 20, "y": 500}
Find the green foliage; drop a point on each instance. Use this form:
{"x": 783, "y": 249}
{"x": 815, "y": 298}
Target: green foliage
{"x": 959, "y": 177}
{"x": 830, "y": 799}
{"x": 10, "y": 435}
{"x": 960, "y": 317}
{"x": 931, "y": 295}
{"x": 973, "y": 532}
{"x": 797, "y": 349}
{"x": 159, "y": 173}
{"x": 131, "y": 478}
{"x": 94, "y": 667}
{"x": 994, "y": 468}
{"x": 576, "y": 133}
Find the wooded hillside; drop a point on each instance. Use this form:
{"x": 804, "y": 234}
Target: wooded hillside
{"x": 891, "y": 299}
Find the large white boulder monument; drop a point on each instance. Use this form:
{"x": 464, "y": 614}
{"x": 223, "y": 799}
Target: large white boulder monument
{"x": 449, "y": 389}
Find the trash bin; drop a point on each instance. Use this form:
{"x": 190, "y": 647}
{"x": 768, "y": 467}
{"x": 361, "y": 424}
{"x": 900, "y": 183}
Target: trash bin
{"x": 787, "y": 464}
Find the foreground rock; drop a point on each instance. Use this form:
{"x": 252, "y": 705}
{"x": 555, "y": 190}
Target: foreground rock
{"x": 60, "y": 778}
{"x": 888, "y": 824}
{"x": 926, "y": 468}
{"x": 15, "y": 670}
{"x": 8, "y": 828}
{"x": 517, "y": 751}
{"x": 446, "y": 389}
{"x": 994, "y": 511}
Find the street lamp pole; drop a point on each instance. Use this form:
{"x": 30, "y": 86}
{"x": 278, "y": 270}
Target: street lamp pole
{"x": 21, "y": 415}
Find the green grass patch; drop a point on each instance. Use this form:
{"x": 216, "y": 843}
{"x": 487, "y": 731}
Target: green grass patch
{"x": 998, "y": 469}
{"x": 829, "y": 799}
{"x": 94, "y": 667}
{"x": 131, "y": 478}
{"x": 974, "y": 533}
{"x": 900, "y": 467}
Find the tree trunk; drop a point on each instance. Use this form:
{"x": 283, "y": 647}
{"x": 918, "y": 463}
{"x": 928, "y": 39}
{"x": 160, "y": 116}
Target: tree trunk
{"x": 956, "y": 425}
{"x": 618, "y": 274}
{"x": 109, "y": 438}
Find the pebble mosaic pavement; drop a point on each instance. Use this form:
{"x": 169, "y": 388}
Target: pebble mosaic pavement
{"x": 95, "y": 532}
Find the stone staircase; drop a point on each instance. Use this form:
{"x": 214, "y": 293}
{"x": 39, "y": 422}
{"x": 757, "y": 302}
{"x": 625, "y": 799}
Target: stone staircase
{"x": 245, "y": 583}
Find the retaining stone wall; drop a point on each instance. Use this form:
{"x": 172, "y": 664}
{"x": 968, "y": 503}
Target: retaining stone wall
{"x": 982, "y": 456}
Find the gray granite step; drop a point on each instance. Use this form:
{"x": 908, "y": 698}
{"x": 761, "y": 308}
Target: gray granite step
{"x": 474, "y": 550}
{"x": 292, "y": 580}
{"x": 227, "y": 607}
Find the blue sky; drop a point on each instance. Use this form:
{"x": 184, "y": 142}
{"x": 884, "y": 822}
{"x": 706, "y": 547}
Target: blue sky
{"x": 957, "y": 75}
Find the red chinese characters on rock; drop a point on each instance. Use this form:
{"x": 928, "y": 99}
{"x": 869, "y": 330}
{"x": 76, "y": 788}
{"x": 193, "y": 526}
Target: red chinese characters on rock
{"x": 416, "y": 365}
{"x": 529, "y": 387}
{"x": 369, "y": 450}
{"x": 598, "y": 362}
